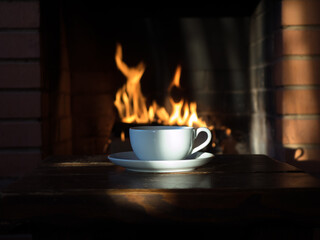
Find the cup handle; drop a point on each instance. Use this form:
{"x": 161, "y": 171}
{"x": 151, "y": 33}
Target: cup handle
{"x": 206, "y": 142}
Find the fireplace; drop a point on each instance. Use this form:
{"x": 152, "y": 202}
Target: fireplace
{"x": 209, "y": 54}
{"x": 253, "y": 74}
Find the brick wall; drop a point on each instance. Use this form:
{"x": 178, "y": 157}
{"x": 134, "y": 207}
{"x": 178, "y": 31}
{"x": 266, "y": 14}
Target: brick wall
{"x": 94, "y": 79}
{"x": 79, "y": 81}
{"x": 20, "y": 87}
{"x": 264, "y": 24}
{"x": 287, "y": 50}
{"x": 297, "y": 80}
{"x": 60, "y": 114}
{"x": 215, "y": 74}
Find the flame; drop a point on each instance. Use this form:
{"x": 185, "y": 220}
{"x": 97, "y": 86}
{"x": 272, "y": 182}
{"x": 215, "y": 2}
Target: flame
{"x": 132, "y": 106}
{"x": 130, "y": 102}
{"x": 123, "y": 136}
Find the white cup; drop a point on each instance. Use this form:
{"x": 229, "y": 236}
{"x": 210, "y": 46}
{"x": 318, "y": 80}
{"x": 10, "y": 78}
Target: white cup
{"x": 166, "y": 142}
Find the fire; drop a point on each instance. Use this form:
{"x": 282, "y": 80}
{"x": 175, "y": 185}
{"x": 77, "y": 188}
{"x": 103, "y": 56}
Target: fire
{"x": 132, "y": 106}
{"x": 130, "y": 102}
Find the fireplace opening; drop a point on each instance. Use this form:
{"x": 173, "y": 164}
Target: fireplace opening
{"x": 210, "y": 50}
{"x": 252, "y": 72}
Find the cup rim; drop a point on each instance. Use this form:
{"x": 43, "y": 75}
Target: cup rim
{"x": 163, "y": 128}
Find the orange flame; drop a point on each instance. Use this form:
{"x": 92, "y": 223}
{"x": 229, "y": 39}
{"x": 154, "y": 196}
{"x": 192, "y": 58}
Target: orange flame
{"x": 131, "y": 103}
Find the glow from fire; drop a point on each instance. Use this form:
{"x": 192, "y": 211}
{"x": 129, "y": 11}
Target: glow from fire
{"x": 132, "y": 107}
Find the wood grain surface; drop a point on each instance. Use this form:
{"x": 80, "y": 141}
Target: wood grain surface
{"x": 239, "y": 189}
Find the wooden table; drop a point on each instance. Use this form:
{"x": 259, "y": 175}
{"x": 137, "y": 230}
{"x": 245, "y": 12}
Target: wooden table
{"x": 232, "y": 190}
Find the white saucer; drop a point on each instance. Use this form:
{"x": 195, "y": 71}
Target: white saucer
{"x": 130, "y": 161}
